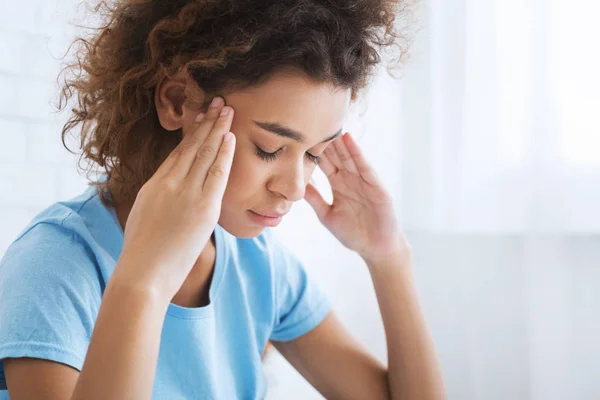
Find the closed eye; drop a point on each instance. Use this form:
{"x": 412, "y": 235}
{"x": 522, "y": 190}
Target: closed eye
{"x": 273, "y": 156}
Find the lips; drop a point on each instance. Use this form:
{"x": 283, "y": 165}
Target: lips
{"x": 270, "y": 214}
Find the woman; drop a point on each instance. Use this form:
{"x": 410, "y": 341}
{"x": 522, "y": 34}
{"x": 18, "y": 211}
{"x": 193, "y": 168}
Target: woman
{"x": 162, "y": 279}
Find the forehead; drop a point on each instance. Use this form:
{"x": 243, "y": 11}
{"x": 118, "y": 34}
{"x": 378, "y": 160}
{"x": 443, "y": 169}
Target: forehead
{"x": 317, "y": 110}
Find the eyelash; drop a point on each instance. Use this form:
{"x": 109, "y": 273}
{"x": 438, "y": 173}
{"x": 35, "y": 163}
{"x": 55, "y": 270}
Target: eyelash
{"x": 272, "y": 156}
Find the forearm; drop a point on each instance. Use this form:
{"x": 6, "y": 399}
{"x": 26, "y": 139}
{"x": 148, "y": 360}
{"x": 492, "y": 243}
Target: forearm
{"x": 413, "y": 370}
{"x": 123, "y": 352}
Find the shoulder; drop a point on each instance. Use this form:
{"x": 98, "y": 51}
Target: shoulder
{"x": 58, "y": 224}
{"x": 50, "y": 291}
{"x": 51, "y": 247}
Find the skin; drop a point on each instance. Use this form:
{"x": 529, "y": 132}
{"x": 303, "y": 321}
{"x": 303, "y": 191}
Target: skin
{"x": 361, "y": 217}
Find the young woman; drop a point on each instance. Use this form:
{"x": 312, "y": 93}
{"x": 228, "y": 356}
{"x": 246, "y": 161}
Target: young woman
{"x": 163, "y": 280}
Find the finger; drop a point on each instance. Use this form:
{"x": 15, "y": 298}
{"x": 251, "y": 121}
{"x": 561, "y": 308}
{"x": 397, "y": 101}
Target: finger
{"x": 333, "y": 156}
{"x": 316, "y": 201}
{"x": 364, "y": 168}
{"x": 327, "y": 166}
{"x": 169, "y": 162}
{"x": 207, "y": 153}
{"x": 218, "y": 173}
{"x": 345, "y": 156}
{"x": 190, "y": 148}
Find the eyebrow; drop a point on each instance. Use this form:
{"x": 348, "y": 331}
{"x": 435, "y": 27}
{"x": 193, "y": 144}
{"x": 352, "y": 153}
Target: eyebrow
{"x": 284, "y": 131}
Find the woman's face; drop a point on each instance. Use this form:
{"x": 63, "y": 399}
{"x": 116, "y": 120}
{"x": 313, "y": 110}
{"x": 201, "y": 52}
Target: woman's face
{"x": 269, "y": 184}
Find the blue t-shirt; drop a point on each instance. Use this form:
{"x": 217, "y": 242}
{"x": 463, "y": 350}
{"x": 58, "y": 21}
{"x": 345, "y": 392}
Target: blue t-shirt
{"x": 53, "y": 275}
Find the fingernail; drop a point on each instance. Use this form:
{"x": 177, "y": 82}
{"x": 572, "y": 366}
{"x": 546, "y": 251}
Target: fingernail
{"x": 199, "y": 117}
{"x": 224, "y": 111}
{"x": 216, "y": 102}
{"x": 228, "y": 137}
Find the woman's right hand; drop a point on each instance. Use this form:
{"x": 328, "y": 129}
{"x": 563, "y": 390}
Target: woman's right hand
{"x": 176, "y": 210}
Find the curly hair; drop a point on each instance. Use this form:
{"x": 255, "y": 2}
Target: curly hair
{"x": 223, "y": 45}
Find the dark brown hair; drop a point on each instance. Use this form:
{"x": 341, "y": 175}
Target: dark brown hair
{"x": 223, "y": 45}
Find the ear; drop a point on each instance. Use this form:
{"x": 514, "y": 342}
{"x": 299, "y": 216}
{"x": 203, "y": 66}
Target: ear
{"x": 169, "y": 98}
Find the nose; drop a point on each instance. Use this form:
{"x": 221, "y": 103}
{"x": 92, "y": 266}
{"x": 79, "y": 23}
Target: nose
{"x": 289, "y": 181}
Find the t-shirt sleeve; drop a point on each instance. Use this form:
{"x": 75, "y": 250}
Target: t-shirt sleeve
{"x": 301, "y": 304}
{"x": 49, "y": 297}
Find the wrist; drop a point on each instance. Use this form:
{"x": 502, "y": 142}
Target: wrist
{"x": 399, "y": 261}
{"x": 129, "y": 292}
{"x": 399, "y": 252}
{"x": 128, "y": 282}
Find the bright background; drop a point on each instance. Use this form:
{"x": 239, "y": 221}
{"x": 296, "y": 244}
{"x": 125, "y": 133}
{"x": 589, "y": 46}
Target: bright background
{"x": 490, "y": 146}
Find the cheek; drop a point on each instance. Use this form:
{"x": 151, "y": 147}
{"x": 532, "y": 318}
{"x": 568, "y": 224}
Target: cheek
{"x": 246, "y": 171}
{"x": 241, "y": 184}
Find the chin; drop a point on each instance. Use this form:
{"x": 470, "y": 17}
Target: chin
{"x": 239, "y": 230}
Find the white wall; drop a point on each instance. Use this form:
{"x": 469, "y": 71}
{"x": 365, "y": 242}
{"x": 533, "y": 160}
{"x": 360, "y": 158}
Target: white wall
{"x": 35, "y": 170}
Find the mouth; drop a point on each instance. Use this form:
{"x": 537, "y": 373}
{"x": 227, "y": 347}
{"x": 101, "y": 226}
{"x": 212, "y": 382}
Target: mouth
{"x": 270, "y": 214}
{"x": 266, "y": 218}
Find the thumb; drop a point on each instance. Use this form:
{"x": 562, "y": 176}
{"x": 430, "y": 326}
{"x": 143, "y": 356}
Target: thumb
{"x": 316, "y": 201}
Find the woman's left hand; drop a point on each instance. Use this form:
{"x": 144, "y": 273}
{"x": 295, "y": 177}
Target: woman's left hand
{"x": 361, "y": 216}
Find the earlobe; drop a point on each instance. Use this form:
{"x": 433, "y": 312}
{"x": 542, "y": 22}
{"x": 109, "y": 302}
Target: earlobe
{"x": 168, "y": 99}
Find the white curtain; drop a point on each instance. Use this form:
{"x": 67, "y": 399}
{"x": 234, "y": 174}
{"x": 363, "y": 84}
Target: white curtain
{"x": 501, "y": 114}
{"x": 501, "y": 193}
